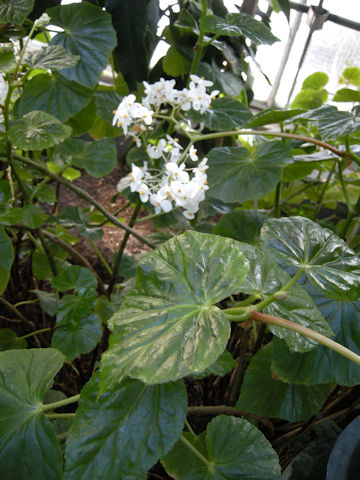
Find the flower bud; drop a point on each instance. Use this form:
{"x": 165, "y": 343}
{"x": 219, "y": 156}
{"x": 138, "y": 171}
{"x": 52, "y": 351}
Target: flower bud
{"x": 42, "y": 21}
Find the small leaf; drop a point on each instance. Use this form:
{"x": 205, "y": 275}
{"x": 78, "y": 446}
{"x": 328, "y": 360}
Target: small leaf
{"x": 168, "y": 326}
{"x": 329, "y": 263}
{"x": 347, "y": 95}
{"x": 272, "y": 115}
{"x": 238, "y": 24}
{"x": 7, "y": 59}
{"x": 28, "y": 444}
{"x": 242, "y": 225}
{"x": 15, "y": 11}
{"x": 175, "y": 64}
{"x": 55, "y": 95}
{"x": 72, "y": 308}
{"x": 6, "y": 259}
{"x": 235, "y": 175}
{"x": 48, "y": 301}
{"x": 352, "y": 75}
{"x": 38, "y": 130}
{"x": 309, "y": 98}
{"x": 231, "y": 448}
{"x": 52, "y": 57}
{"x": 149, "y": 419}
{"x": 88, "y": 33}
{"x": 9, "y": 340}
{"x": 98, "y": 158}
{"x": 267, "y": 396}
{"x": 73, "y": 337}
{"x": 225, "y": 114}
{"x": 317, "y": 81}
{"x": 76, "y": 277}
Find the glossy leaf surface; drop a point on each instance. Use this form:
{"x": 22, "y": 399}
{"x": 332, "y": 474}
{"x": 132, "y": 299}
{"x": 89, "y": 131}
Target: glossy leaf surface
{"x": 38, "y": 130}
{"x": 235, "y": 175}
{"x": 28, "y": 444}
{"x": 121, "y": 434}
{"x": 15, "y": 11}
{"x": 323, "y": 365}
{"x": 231, "y": 448}
{"x": 238, "y": 24}
{"x": 52, "y": 57}
{"x": 88, "y": 33}
{"x": 267, "y": 396}
{"x": 168, "y": 326}
{"x": 329, "y": 263}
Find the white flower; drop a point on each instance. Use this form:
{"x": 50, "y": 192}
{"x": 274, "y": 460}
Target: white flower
{"x": 4, "y": 87}
{"x": 178, "y": 172}
{"x": 160, "y": 202}
{"x": 129, "y": 112}
{"x": 192, "y": 154}
{"x": 201, "y": 81}
{"x": 156, "y": 151}
{"x": 136, "y": 176}
{"x": 144, "y": 192}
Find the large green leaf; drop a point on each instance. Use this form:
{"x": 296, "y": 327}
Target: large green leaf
{"x": 6, "y": 259}
{"x": 225, "y": 114}
{"x": 73, "y": 337}
{"x": 337, "y": 124}
{"x": 236, "y": 175}
{"x": 265, "y": 278}
{"x": 55, "y": 95}
{"x": 76, "y": 277}
{"x": 129, "y": 20}
{"x": 265, "y": 395}
{"x": 53, "y": 57}
{"x": 272, "y": 115}
{"x": 88, "y": 33}
{"x": 238, "y": 24}
{"x": 29, "y": 448}
{"x": 231, "y": 448}
{"x": 169, "y": 326}
{"x": 323, "y": 365}
{"x": 328, "y": 262}
{"x": 38, "y": 130}
{"x": 242, "y": 225}
{"x": 120, "y": 434}
{"x": 15, "y": 11}
{"x": 98, "y": 158}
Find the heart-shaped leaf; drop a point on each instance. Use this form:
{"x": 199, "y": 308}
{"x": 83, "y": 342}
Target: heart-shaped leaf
{"x": 231, "y": 448}
{"x": 328, "y": 262}
{"x": 98, "y": 158}
{"x": 28, "y": 444}
{"x": 53, "y": 94}
{"x": 265, "y": 395}
{"x": 235, "y": 175}
{"x": 123, "y": 432}
{"x": 88, "y": 33}
{"x": 168, "y": 326}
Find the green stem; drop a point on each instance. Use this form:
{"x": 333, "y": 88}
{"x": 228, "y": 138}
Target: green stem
{"x": 15, "y": 311}
{"x": 344, "y": 188}
{"x": 303, "y": 138}
{"x": 323, "y": 190}
{"x": 277, "y": 210}
{"x": 188, "y": 426}
{"x": 199, "y": 46}
{"x": 307, "y": 332}
{"x": 60, "y": 403}
{"x": 247, "y": 301}
{"x": 85, "y": 196}
{"x": 42, "y": 330}
{"x": 60, "y": 415}
{"x": 121, "y": 250}
{"x": 196, "y": 452}
{"x": 101, "y": 257}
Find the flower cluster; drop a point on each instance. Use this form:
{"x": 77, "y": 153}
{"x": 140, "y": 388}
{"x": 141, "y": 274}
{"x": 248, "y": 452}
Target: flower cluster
{"x": 172, "y": 183}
